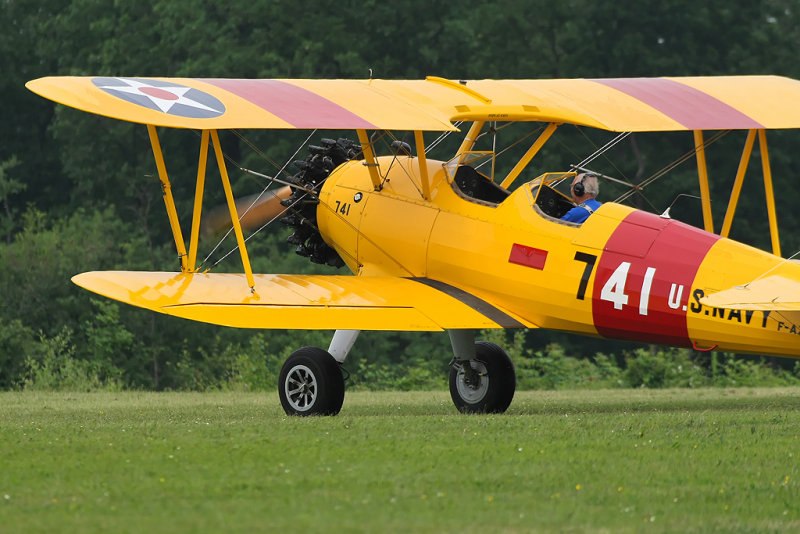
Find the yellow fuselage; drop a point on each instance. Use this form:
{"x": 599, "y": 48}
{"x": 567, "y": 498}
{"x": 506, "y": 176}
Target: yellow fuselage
{"x": 622, "y": 274}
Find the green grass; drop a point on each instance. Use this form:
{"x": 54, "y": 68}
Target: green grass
{"x": 566, "y": 461}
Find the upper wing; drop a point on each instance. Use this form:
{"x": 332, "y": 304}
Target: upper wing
{"x": 303, "y": 301}
{"x": 660, "y": 104}
{"x": 619, "y": 104}
{"x": 771, "y": 293}
{"x": 218, "y": 103}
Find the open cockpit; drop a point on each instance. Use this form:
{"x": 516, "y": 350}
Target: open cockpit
{"x": 469, "y": 183}
{"x": 547, "y": 200}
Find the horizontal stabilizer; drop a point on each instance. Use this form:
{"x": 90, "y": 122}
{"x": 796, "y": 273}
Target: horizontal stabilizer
{"x": 303, "y": 301}
{"x": 770, "y": 293}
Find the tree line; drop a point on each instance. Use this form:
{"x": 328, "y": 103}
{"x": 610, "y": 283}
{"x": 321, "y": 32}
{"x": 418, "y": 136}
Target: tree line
{"x": 77, "y": 193}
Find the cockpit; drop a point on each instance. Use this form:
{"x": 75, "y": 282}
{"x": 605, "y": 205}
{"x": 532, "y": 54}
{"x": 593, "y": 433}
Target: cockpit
{"x": 475, "y": 186}
{"x": 547, "y": 199}
{"x": 469, "y": 183}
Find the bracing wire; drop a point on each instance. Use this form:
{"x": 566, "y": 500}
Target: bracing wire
{"x": 759, "y": 277}
{"x": 597, "y": 153}
{"x": 655, "y": 176}
{"x": 672, "y": 165}
{"x": 613, "y": 143}
{"x": 603, "y": 149}
{"x": 512, "y": 145}
{"x": 391, "y": 164}
{"x": 494, "y": 130}
{"x": 441, "y": 138}
{"x": 273, "y": 219}
{"x": 270, "y": 182}
{"x": 255, "y": 149}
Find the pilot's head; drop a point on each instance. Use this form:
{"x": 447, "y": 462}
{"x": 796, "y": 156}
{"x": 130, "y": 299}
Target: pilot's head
{"x": 584, "y": 186}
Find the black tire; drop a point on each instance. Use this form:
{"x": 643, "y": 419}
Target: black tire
{"x": 311, "y": 383}
{"x": 494, "y": 389}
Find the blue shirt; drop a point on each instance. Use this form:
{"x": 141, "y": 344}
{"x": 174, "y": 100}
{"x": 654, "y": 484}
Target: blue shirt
{"x": 579, "y": 214}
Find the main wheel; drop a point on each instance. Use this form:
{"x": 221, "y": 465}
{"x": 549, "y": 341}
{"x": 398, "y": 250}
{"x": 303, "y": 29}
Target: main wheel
{"x": 311, "y": 383}
{"x": 485, "y": 384}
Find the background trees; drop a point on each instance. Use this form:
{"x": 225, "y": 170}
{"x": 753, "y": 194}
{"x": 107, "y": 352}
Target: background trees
{"x": 74, "y": 188}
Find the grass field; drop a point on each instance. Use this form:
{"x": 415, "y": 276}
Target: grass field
{"x": 569, "y": 461}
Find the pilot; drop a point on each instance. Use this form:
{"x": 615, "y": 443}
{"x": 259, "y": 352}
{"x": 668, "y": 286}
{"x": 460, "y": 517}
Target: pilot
{"x": 584, "y": 190}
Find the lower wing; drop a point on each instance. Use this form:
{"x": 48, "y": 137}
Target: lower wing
{"x": 303, "y": 301}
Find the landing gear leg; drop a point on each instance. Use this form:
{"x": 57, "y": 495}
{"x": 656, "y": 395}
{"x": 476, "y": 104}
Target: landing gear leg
{"x": 341, "y": 344}
{"x": 482, "y": 376}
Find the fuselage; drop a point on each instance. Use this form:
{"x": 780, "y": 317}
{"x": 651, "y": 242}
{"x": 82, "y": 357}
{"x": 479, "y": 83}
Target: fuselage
{"x": 622, "y": 274}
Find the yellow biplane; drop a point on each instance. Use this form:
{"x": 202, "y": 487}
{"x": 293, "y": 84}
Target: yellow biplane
{"x": 442, "y": 245}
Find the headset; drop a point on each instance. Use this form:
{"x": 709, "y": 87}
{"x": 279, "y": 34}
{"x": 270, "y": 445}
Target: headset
{"x": 579, "y": 189}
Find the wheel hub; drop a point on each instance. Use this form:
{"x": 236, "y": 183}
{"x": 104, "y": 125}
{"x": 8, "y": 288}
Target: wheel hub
{"x": 301, "y": 388}
{"x": 472, "y": 381}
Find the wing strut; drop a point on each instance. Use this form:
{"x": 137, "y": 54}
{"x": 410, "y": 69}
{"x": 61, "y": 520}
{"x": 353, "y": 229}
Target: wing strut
{"x": 773, "y": 220}
{"x": 423, "y": 165}
{"x": 237, "y": 227}
{"x": 369, "y": 159}
{"x": 737, "y": 185}
{"x": 532, "y": 151}
{"x": 169, "y": 201}
{"x": 198, "y": 201}
{"x": 188, "y": 261}
{"x": 472, "y": 136}
{"x": 702, "y": 174}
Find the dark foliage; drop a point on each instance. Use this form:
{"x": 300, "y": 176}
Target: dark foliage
{"x": 76, "y": 192}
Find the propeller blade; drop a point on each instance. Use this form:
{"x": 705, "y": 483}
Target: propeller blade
{"x": 218, "y": 219}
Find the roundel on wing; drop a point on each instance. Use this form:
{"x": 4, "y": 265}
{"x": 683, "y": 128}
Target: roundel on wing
{"x": 167, "y": 97}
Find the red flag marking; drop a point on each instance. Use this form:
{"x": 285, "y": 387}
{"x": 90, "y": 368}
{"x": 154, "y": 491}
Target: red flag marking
{"x": 528, "y": 256}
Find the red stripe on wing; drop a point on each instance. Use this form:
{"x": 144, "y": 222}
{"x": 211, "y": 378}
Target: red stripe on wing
{"x": 298, "y": 106}
{"x": 691, "y": 107}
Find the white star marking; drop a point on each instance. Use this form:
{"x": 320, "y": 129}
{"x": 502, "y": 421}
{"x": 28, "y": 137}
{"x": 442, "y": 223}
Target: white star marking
{"x": 164, "y": 104}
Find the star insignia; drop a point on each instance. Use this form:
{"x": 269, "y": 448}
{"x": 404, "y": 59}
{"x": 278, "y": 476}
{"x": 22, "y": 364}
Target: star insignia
{"x": 169, "y": 98}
